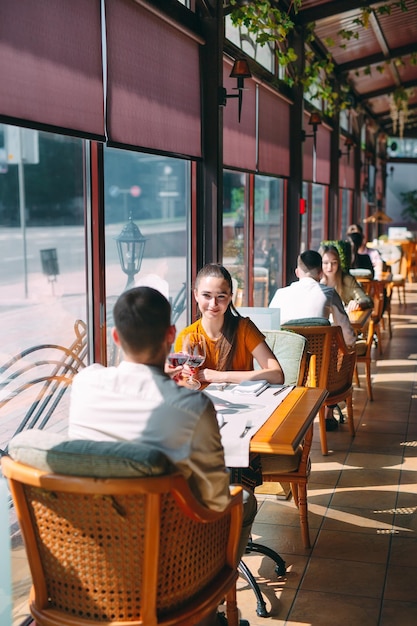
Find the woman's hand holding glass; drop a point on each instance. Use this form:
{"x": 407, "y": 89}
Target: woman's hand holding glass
{"x": 194, "y": 346}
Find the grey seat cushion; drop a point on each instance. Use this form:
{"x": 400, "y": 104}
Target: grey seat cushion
{"x": 307, "y": 321}
{"x": 55, "y": 453}
{"x": 281, "y": 463}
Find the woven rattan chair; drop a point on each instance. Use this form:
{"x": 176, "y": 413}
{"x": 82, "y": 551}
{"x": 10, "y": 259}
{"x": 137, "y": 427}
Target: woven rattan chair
{"x": 334, "y": 369}
{"x": 136, "y": 551}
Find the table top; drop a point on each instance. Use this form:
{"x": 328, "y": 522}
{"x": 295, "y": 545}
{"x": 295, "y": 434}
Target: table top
{"x": 359, "y": 318}
{"x": 285, "y": 429}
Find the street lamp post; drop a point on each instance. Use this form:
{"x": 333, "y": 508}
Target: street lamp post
{"x": 130, "y": 247}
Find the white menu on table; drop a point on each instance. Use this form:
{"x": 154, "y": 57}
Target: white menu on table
{"x": 241, "y": 415}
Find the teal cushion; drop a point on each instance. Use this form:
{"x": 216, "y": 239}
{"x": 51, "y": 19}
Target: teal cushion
{"x": 307, "y": 321}
{"x": 361, "y": 347}
{"x": 281, "y": 463}
{"x": 51, "y": 452}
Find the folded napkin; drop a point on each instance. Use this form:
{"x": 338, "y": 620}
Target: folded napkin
{"x": 251, "y": 386}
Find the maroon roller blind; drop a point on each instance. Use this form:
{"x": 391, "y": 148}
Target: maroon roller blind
{"x": 307, "y": 151}
{"x": 346, "y": 167}
{"x": 274, "y": 133}
{"x": 51, "y": 66}
{"x": 323, "y": 155}
{"x": 153, "y": 96}
{"x": 239, "y": 140}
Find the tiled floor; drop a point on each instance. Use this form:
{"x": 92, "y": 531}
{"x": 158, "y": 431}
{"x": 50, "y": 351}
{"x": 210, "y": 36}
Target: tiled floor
{"x": 362, "y": 567}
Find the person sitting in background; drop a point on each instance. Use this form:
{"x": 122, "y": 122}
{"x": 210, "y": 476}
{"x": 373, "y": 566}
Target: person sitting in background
{"x": 306, "y": 297}
{"x": 362, "y": 249}
{"x": 349, "y": 290}
{"x": 136, "y": 401}
{"x": 360, "y": 261}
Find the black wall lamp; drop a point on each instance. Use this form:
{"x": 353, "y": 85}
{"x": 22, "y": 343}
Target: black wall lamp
{"x": 314, "y": 121}
{"x": 130, "y": 247}
{"x": 349, "y": 143}
{"x": 240, "y": 71}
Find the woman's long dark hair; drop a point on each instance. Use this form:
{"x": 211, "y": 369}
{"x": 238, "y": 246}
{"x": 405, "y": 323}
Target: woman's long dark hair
{"x": 227, "y": 342}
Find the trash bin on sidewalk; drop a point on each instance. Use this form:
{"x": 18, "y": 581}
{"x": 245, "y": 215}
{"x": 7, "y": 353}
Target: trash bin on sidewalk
{"x": 50, "y": 268}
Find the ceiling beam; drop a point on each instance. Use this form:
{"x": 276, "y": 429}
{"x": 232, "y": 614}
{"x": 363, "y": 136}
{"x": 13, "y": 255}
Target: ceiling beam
{"x": 373, "y": 59}
{"x": 385, "y": 90}
{"x": 329, "y": 9}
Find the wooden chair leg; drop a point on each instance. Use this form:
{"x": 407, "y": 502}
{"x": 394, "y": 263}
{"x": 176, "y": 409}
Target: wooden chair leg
{"x": 356, "y": 374}
{"x": 231, "y": 608}
{"x": 302, "y": 498}
{"x": 368, "y": 379}
{"x": 294, "y": 491}
{"x": 349, "y": 407}
{"x": 323, "y": 434}
{"x": 378, "y": 336}
{"x": 389, "y": 324}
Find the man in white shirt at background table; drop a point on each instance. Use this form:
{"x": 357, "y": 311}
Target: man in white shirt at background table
{"x": 308, "y": 298}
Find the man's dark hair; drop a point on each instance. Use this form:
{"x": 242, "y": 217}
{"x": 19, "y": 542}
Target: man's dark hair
{"x": 311, "y": 260}
{"x": 354, "y": 228}
{"x": 142, "y": 316}
{"x": 356, "y": 239}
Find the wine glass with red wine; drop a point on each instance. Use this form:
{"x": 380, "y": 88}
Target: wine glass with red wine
{"x": 194, "y": 346}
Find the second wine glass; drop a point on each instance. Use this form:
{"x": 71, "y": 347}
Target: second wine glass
{"x": 194, "y": 345}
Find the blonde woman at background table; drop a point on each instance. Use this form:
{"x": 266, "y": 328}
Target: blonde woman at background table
{"x": 232, "y": 341}
{"x": 349, "y": 290}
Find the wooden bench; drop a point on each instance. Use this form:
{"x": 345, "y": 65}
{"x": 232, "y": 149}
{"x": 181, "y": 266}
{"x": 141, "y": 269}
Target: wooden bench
{"x": 33, "y": 383}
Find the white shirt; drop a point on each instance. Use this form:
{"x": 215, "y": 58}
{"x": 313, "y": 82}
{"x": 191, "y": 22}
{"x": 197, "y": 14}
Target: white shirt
{"x": 308, "y": 298}
{"x": 136, "y": 402}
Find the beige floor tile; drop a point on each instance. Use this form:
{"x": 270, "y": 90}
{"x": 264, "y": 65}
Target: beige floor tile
{"x": 369, "y": 478}
{"x": 398, "y": 613}
{"x": 344, "y": 577}
{"x": 355, "y": 520}
{"x": 331, "y": 609}
{"x": 376, "y": 426}
{"x": 366, "y": 547}
{"x": 401, "y": 583}
{"x": 404, "y": 552}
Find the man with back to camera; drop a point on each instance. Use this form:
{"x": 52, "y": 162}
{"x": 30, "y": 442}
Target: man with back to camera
{"x": 307, "y": 297}
{"x": 137, "y": 401}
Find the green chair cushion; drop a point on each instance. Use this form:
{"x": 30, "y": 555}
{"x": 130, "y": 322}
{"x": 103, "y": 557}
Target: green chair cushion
{"x": 361, "y": 347}
{"x": 307, "y": 321}
{"x": 281, "y": 463}
{"x": 51, "y": 452}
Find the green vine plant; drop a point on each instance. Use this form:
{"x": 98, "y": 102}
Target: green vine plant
{"x": 269, "y": 24}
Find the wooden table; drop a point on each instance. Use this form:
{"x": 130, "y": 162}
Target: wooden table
{"x": 283, "y": 432}
{"x": 359, "y": 318}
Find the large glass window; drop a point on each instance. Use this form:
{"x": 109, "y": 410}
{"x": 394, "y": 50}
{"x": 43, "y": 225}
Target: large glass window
{"x": 42, "y": 275}
{"x": 317, "y": 215}
{"x": 42, "y": 261}
{"x": 147, "y": 209}
{"x": 345, "y": 196}
{"x": 268, "y": 242}
{"x": 235, "y": 232}
{"x": 264, "y": 55}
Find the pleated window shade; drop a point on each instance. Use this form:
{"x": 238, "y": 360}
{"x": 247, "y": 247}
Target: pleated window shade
{"x": 153, "y": 95}
{"x": 51, "y": 65}
{"x": 274, "y": 134}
